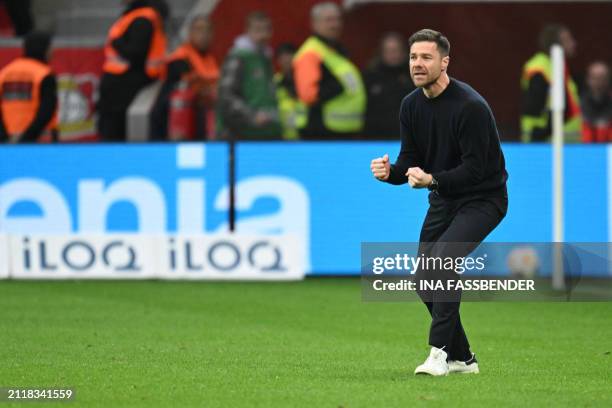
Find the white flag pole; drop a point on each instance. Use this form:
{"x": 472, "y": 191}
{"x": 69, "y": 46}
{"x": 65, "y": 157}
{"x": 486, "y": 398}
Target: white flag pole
{"x": 557, "y": 106}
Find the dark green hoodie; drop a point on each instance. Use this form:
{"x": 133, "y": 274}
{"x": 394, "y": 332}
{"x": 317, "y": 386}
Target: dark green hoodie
{"x": 245, "y": 88}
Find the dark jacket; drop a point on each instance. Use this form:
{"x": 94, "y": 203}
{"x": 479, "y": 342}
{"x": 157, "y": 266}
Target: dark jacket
{"x": 386, "y": 86}
{"x": 118, "y": 91}
{"x": 161, "y": 107}
{"x": 597, "y": 117}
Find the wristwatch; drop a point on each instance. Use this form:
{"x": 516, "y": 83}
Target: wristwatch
{"x": 433, "y": 186}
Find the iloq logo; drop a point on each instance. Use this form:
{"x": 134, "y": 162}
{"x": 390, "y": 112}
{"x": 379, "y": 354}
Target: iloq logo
{"x": 80, "y": 255}
{"x": 156, "y": 256}
{"x": 220, "y": 257}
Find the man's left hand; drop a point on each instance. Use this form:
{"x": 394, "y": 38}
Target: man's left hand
{"x": 417, "y": 178}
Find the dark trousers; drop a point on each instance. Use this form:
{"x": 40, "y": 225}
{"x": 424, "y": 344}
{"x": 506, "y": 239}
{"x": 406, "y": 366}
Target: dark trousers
{"x": 112, "y": 126}
{"x": 454, "y": 228}
{"x": 117, "y": 92}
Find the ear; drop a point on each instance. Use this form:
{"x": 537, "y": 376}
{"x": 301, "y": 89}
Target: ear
{"x": 445, "y": 62}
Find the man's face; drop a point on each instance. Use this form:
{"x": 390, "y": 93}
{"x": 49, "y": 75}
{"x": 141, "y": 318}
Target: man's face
{"x": 426, "y": 63}
{"x": 201, "y": 34}
{"x": 260, "y": 31}
{"x": 598, "y": 78}
{"x": 393, "y": 52}
{"x": 328, "y": 24}
{"x": 567, "y": 41}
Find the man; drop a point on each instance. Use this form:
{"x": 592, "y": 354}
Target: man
{"x": 597, "y": 105}
{"x": 247, "y": 106}
{"x": 387, "y": 81}
{"x": 288, "y": 103}
{"x": 327, "y": 82}
{"x": 134, "y": 57}
{"x": 535, "y": 84}
{"x": 449, "y": 145}
{"x": 191, "y": 71}
{"x": 28, "y": 92}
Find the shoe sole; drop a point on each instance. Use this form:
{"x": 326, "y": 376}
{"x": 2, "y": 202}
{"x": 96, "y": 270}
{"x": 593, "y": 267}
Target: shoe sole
{"x": 477, "y": 371}
{"x": 422, "y": 373}
{"x": 464, "y": 369}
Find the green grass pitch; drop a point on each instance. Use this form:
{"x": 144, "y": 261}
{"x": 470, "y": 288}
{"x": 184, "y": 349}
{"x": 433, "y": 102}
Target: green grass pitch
{"x": 308, "y": 344}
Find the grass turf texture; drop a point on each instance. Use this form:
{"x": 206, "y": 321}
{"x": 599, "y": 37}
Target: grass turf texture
{"x": 311, "y": 344}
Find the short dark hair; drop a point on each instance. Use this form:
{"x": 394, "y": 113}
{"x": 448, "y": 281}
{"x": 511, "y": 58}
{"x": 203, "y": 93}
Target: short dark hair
{"x": 36, "y": 44}
{"x": 256, "y": 17}
{"x": 549, "y": 35}
{"x": 286, "y": 48}
{"x": 429, "y": 35}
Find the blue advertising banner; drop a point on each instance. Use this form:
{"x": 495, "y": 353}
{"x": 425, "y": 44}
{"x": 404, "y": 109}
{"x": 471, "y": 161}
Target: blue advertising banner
{"x": 111, "y": 188}
{"x": 322, "y": 193}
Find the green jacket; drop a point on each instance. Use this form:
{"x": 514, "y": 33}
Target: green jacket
{"x": 245, "y": 88}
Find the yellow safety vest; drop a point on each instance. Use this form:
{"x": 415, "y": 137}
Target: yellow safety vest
{"x": 540, "y": 64}
{"x": 288, "y": 107}
{"x": 344, "y": 113}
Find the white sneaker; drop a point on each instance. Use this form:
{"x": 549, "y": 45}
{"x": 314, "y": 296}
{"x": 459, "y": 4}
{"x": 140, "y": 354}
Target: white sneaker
{"x": 435, "y": 364}
{"x": 464, "y": 367}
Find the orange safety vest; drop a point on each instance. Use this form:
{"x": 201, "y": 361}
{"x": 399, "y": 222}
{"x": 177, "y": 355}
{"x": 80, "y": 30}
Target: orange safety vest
{"x": 203, "y": 76}
{"x": 204, "y": 67}
{"x": 20, "y": 83}
{"x": 115, "y": 64}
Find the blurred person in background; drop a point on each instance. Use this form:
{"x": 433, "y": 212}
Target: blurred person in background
{"x": 184, "y": 106}
{"x": 28, "y": 94}
{"x": 536, "y": 82}
{"x": 288, "y": 102}
{"x": 387, "y": 81}
{"x": 134, "y": 57}
{"x": 247, "y": 107}
{"x": 597, "y": 104}
{"x": 326, "y": 81}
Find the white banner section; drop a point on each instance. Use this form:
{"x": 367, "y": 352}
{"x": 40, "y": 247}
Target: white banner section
{"x": 136, "y": 256}
{"x": 4, "y": 257}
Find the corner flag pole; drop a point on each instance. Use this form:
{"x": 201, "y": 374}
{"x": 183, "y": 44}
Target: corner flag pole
{"x": 557, "y": 106}
{"x": 232, "y": 183}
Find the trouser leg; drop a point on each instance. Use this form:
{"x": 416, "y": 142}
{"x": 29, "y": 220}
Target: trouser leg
{"x": 112, "y": 126}
{"x": 468, "y": 226}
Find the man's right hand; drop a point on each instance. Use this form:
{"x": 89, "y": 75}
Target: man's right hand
{"x": 381, "y": 169}
{"x": 262, "y": 118}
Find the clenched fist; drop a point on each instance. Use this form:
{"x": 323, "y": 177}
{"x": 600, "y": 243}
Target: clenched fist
{"x": 381, "y": 168}
{"x": 417, "y": 178}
